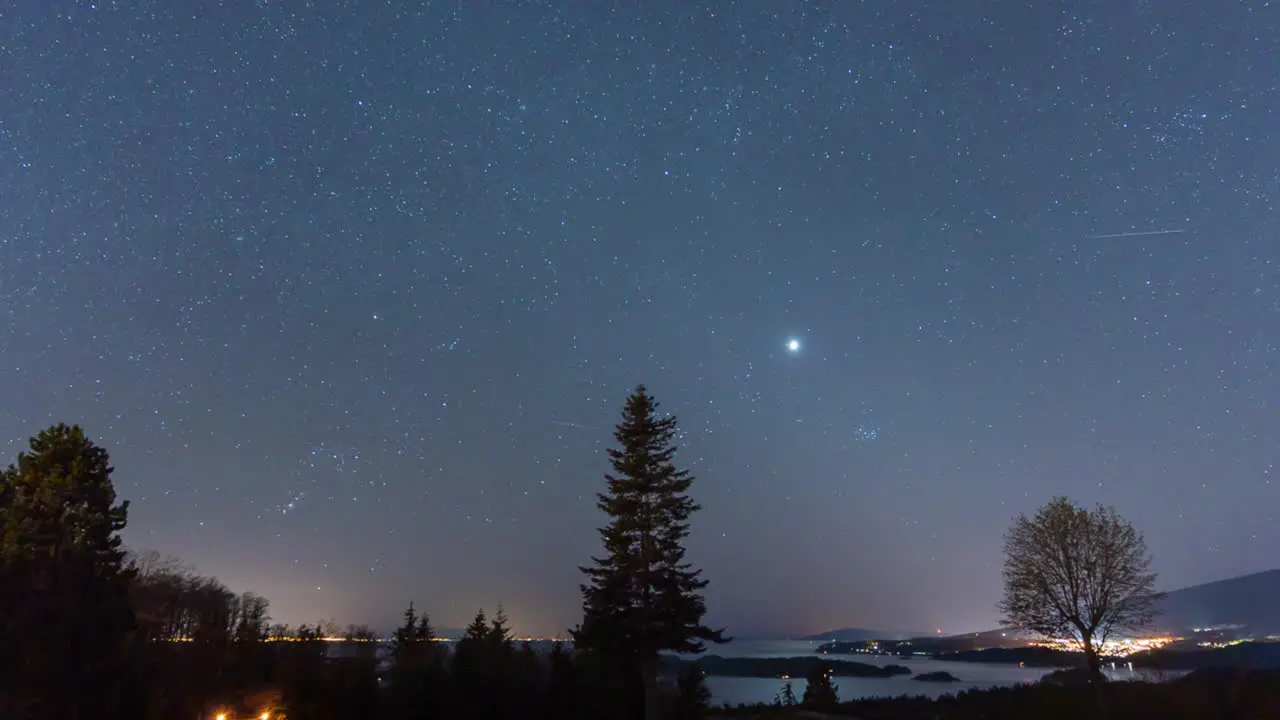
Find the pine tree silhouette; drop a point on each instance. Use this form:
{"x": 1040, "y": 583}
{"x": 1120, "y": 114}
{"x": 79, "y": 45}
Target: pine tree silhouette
{"x": 819, "y": 693}
{"x": 415, "y": 670}
{"x": 788, "y": 696}
{"x": 693, "y": 699}
{"x": 642, "y": 597}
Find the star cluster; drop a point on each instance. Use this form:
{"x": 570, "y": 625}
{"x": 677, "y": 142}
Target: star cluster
{"x": 353, "y": 292}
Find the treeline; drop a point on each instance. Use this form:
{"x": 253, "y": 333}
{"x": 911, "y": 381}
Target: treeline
{"x": 172, "y": 603}
{"x": 90, "y": 632}
{"x": 220, "y": 655}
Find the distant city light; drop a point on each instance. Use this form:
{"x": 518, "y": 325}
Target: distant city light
{"x": 1112, "y": 648}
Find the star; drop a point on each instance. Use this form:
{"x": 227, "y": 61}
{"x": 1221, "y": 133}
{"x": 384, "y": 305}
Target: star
{"x": 793, "y": 346}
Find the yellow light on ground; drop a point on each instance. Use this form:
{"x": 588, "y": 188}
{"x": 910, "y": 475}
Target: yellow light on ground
{"x": 222, "y": 716}
{"x": 265, "y": 716}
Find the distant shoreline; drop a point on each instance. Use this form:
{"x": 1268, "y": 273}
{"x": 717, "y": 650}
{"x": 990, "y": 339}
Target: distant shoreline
{"x": 1254, "y": 655}
{"x": 786, "y": 668}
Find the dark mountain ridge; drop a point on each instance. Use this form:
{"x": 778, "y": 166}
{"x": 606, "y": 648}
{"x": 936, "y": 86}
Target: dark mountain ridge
{"x": 1250, "y": 601}
{"x": 1239, "y": 607}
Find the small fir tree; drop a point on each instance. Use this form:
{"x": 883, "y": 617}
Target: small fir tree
{"x": 501, "y": 678}
{"x": 407, "y": 638}
{"x": 642, "y": 597}
{"x": 788, "y": 696}
{"x": 471, "y": 652}
{"x": 693, "y": 699}
{"x": 499, "y": 635}
{"x": 472, "y": 677}
{"x": 819, "y": 693}
{"x": 414, "y": 671}
{"x": 478, "y": 631}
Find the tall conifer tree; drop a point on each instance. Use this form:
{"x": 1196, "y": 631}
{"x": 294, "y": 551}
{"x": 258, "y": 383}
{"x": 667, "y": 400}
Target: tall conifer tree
{"x": 64, "y": 581}
{"x": 642, "y": 597}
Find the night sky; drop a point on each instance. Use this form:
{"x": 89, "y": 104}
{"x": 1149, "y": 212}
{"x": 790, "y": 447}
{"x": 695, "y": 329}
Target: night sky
{"x": 353, "y": 292}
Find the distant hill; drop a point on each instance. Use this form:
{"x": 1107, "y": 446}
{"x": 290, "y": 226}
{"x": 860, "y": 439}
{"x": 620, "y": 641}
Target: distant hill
{"x": 858, "y": 635}
{"x": 1000, "y": 638}
{"x": 1249, "y": 600}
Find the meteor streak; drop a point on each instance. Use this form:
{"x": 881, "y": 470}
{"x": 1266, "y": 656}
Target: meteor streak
{"x": 1133, "y": 234}
{"x": 569, "y": 424}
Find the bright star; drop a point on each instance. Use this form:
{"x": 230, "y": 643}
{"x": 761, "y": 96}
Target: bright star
{"x": 793, "y": 346}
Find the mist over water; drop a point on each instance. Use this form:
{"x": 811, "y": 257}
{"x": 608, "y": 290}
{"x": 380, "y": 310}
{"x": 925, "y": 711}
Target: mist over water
{"x": 739, "y": 690}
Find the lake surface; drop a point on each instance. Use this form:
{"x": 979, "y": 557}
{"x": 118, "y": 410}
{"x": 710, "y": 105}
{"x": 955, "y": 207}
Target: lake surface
{"x": 735, "y": 690}
{"x": 739, "y": 690}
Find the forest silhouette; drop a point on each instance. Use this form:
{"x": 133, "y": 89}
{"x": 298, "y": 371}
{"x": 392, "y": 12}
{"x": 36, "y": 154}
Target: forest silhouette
{"x": 91, "y": 631}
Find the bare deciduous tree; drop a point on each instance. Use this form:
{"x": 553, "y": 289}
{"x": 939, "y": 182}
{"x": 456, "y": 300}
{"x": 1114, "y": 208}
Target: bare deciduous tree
{"x": 1079, "y": 574}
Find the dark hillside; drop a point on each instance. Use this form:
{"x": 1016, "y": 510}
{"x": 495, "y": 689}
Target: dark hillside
{"x": 1250, "y": 600}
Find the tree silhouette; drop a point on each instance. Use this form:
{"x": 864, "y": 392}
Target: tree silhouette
{"x": 472, "y": 675}
{"x": 410, "y": 636}
{"x": 499, "y": 635}
{"x": 563, "y": 698}
{"x": 64, "y": 584}
{"x": 415, "y": 668}
{"x": 819, "y": 693}
{"x": 526, "y": 685}
{"x": 304, "y": 679}
{"x": 693, "y": 699}
{"x": 223, "y": 653}
{"x": 787, "y": 698}
{"x": 362, "y": 642}
{"x": 500, "y": 672}
{"x": 1076, "y": 573}
{"x": 642, "y": 598}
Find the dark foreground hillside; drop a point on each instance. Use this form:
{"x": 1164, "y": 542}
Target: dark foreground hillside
{"x": 1247, "y": 601}
{"x": 1203, "y": 695}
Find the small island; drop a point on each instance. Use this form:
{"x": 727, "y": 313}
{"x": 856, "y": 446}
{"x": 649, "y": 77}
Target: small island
{"x": 940, "y": 676}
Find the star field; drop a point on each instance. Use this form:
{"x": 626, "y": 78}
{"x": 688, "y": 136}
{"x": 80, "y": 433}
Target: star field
{"x": 353, "y": 292}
